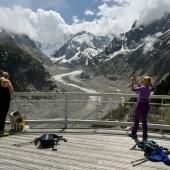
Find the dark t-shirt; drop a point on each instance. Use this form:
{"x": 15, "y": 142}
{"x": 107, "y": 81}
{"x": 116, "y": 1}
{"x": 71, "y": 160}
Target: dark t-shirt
{"x": 4, "y": 93}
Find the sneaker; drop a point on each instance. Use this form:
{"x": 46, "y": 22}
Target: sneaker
{"x": 133, "y": 136}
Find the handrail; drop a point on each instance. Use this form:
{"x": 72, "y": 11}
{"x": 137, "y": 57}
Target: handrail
{"x": 93, "y": 122}
{"x": 65, "y": 99}
{"x": 15, "y": 94}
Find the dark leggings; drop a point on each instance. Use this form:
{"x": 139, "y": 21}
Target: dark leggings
{"x": 141, "y": 113}
{"x": 4, "y": 107}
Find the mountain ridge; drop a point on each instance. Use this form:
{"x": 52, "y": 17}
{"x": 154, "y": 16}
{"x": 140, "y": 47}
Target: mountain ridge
{"x": 19, "y": 56}
{"x": 141, "y": 50}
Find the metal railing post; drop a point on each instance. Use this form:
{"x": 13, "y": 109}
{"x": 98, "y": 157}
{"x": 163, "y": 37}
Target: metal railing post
{"x": 162, "y": 111}
{"x": 97, "y": 108}
{"x": 66, "y": 111}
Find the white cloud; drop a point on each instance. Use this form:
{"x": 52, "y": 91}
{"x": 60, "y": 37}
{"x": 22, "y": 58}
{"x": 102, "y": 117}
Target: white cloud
{"x": 118, "y": 19}
{"x": 14, "y": 20}
{"x": 45, "y": 26}
{"x": 88, "y": 12}
{"x": 75, "y": 19}
{"x": 111, "y": 20}
{"x": 49, "y": 26}
{"x": 154, "y": 9}
{"x": 149, "y": 44}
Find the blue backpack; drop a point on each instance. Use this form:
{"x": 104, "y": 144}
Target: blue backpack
{"x": 160, "y": 156}
{"x": 154, "y": 152}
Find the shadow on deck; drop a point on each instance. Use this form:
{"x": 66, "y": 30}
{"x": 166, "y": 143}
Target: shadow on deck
{"x": 85, "y": 150}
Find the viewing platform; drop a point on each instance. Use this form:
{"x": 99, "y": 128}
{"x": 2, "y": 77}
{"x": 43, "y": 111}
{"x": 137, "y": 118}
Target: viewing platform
{"x": 95, "y": 126}
{"x": 86, "y": 149}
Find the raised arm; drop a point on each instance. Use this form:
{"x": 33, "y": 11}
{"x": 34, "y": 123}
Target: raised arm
{"x": 134, "y": 83}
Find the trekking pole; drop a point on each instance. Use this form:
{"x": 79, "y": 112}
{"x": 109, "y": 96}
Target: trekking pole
{"x": 138, "y": 160}
{"x": 142, "y": 161}
{"x": 22, "y": 144}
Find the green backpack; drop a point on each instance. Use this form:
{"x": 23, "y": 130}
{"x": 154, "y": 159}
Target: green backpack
{"x": 149, "y": 146}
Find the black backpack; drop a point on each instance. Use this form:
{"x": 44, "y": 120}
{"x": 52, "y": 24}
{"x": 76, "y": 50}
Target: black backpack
{"x": 48, "y": 141}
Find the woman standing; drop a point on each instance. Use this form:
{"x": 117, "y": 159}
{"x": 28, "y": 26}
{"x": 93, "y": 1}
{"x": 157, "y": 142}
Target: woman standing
{"x": 6, "y": 89}
{"x": 142, "y": 107}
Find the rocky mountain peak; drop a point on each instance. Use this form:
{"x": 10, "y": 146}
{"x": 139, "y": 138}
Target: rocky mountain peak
{"x": 80, "y": 48}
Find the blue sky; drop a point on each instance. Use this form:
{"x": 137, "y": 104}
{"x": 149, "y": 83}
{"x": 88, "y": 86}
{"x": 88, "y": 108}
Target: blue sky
{"x": 53, "y": 21}
{"x": 67, "y": 8}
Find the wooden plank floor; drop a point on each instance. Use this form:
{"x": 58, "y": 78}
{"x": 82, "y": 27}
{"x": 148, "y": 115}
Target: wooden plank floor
{"x": 83, "y": 151}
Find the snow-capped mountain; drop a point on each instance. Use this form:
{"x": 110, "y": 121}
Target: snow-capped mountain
{"x": 145, "y": 49}
{"x": 47, "y": 48}
{"x": 80, "y": 48}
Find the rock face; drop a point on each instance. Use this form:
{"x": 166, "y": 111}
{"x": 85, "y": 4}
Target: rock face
{"x": 80, "y": 49}
{"x": 19, "y": 56}
{"x": 145, "y": 49}
{"x": 25, "y": 43}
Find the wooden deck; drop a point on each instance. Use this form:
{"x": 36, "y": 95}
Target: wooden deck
{"x": 85, "y": 150}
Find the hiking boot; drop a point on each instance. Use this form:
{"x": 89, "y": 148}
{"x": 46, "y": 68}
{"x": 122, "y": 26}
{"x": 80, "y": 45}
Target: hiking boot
{"x": 133, "y": 136}
{"x": 3, "y": 133}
